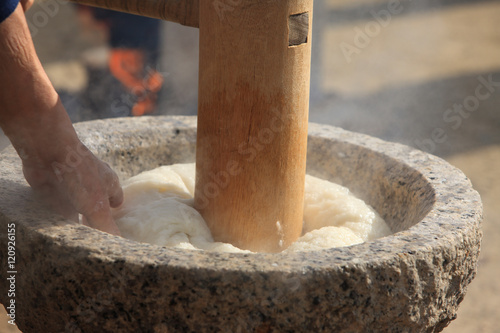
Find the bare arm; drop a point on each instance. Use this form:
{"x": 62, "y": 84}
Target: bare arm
{"x": 59, "y": 168}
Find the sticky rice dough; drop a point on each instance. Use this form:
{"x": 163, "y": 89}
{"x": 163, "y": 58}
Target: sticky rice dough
{"x": 158, "y": 209}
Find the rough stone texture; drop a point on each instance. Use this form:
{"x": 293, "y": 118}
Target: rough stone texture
{"x": 75, "y": 279}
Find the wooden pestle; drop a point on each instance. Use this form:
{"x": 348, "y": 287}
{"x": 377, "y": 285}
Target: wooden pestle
{"x": 253, "y": 107}
{"x": 185, "y": 12}
{"x": 252, "y": 121}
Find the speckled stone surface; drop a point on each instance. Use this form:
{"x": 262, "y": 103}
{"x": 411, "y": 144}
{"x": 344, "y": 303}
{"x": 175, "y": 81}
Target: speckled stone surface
{"x": 75, "y": 279}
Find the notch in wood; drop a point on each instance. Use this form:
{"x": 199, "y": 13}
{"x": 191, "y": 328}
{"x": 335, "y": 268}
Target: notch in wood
{"x": 298, "y": 29}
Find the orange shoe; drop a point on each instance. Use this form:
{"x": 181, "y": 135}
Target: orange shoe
{"x": 128, "y": 66}
{"x": 144, "y": 106}
{"x": 153, "y": 81}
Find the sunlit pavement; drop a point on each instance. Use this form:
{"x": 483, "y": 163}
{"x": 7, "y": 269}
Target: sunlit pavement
{"x": 423, "y": 73}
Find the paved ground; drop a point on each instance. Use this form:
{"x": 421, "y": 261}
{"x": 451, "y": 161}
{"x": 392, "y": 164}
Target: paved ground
{"x": 400, "y": 73}
{"x": 480, "y": 311}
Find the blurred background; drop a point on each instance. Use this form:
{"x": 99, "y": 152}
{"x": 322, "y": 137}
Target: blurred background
{"x": 423, "y": 73}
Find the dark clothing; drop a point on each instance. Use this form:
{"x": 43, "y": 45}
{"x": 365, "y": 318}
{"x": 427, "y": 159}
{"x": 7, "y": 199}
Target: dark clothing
{"x": 127, "y": 31}
{"x": 7, "y": 7}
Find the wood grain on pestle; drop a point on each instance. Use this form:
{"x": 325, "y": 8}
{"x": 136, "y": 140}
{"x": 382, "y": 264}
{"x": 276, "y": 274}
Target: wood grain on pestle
{"x": 185, "y": 12}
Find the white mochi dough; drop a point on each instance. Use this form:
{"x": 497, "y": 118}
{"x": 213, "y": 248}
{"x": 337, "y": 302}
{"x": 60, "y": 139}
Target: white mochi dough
{"x": 158, "y": 209}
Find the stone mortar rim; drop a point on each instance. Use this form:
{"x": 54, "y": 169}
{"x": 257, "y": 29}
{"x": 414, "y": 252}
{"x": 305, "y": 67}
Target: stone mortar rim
{"x": 425, "y": 237}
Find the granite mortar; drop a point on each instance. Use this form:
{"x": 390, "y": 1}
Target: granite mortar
{"x": 75, "y": 279}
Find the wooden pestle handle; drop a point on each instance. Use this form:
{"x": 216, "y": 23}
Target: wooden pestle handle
{"x": 253, "y": 104}
{"x": 185, "y": 12}
{"x": 255, "y": 58}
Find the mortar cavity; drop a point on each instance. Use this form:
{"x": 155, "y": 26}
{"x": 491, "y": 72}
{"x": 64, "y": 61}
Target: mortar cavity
{"x": 399, "y": 193}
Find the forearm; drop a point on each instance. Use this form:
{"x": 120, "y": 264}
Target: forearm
{"x": 37, "y": 124}
{"x": 30, "y": 110}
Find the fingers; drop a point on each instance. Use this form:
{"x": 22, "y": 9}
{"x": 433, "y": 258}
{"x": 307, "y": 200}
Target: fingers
{"x": 115, "y": 192}
{"x": 116, "y": 197}
{"x": 89, "y": 187}
{"x": 84, "y": 221}
{"x": 100, "y": 218}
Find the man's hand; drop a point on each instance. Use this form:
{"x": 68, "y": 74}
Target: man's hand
{"x": 77, "y": 182}
{"x": 60, "y": 169}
